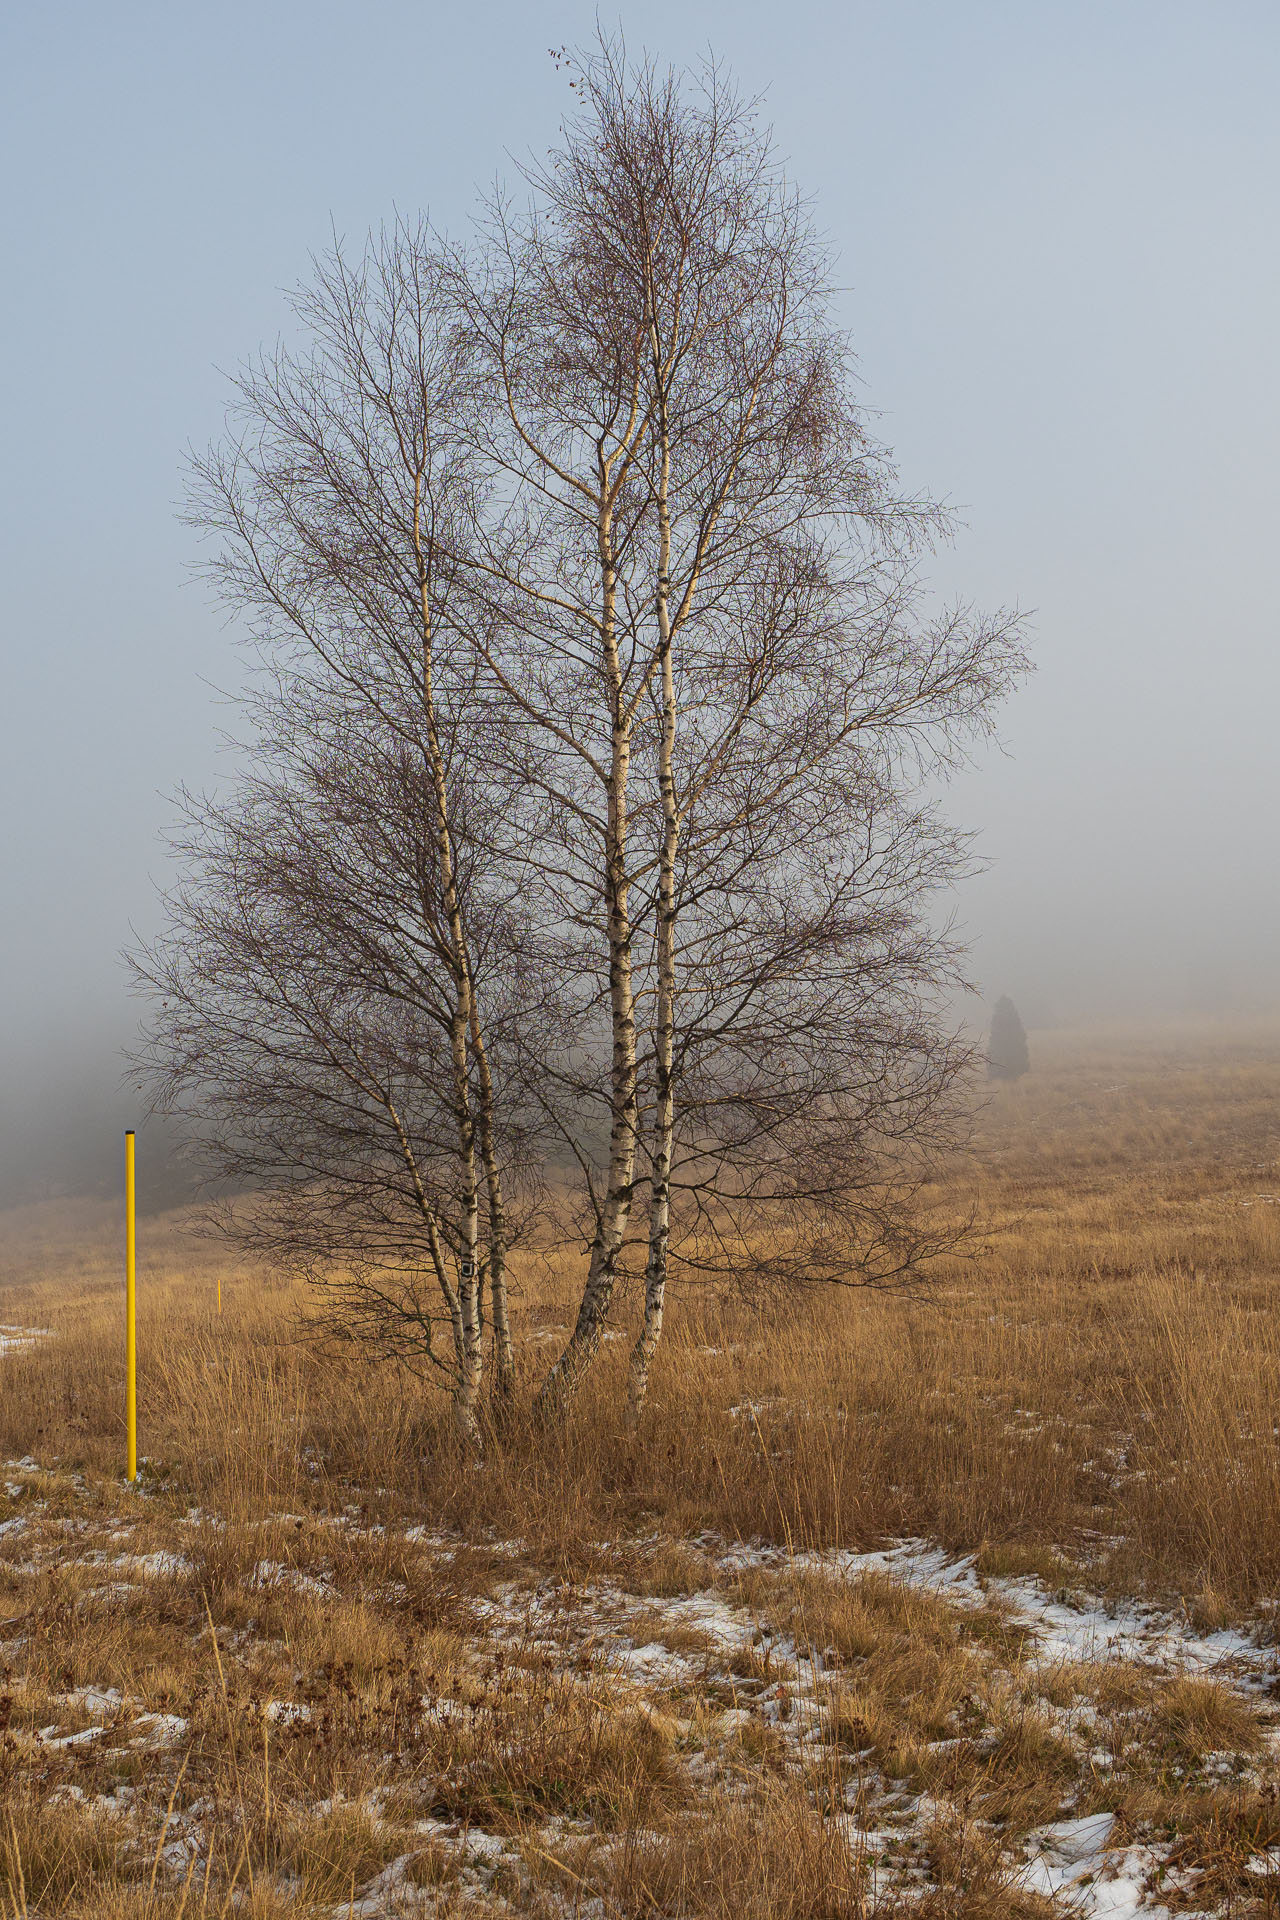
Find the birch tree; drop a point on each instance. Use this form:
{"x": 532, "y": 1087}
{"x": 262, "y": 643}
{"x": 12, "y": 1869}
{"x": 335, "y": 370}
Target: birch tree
{"x": 334, "y": 961}
{"x": 700, "y": 597}
{"x": 604, "y": 721}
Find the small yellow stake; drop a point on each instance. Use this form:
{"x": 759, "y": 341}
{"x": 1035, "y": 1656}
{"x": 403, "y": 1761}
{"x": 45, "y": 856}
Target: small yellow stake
{"x": 130, "y": 1311}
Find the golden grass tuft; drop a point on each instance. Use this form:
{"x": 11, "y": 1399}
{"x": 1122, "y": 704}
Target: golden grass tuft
{"x": 52, "y": 1851}
{"x": 1193, "y": 1717}
{"x": 333, "y": 1852}
{"x": 770, "y": 1858}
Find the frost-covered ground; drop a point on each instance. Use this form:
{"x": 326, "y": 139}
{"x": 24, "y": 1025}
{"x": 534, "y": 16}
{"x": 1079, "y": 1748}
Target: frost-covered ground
{"x": 1085, "y": 1859}
{"x": 397, "y": 1720}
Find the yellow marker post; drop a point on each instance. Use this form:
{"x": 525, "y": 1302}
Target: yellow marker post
{"x": 130, "y": 1311}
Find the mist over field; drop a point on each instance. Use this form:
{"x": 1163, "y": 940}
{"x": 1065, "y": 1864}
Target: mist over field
{"x": 1052, "y": 231}
{"x": 736, "y": 1044}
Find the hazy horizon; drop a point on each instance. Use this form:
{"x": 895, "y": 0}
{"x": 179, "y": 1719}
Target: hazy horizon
{"x": 1052, "y": 226}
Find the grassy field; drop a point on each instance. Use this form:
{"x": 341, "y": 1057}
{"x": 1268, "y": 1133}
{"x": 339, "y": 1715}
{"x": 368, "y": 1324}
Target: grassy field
{"x": 952, "y": 1607}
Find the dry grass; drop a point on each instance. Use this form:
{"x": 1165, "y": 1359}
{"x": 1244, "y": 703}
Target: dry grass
{"x": 1090, "y": 1402}
{"x": 1107, "y": 1366}
{"x": 49, "y": 1853}
{"x": 771, "y": 1858}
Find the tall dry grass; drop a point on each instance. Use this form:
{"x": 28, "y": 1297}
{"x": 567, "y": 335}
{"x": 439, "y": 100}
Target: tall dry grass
{"x": 1100, "y": 1378}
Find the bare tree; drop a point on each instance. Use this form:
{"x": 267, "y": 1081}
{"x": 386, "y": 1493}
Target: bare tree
{"x": 699, "y": 595}
{"x": 603, "y": 712}
{"x": 337, "y": 956}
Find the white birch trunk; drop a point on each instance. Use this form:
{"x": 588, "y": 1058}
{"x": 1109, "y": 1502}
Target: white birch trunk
{"x": 615, "y": 1212}
{"x": 655, "y": 1278}
{"x": 503, "y": 1356}
{"x": 464, "y": 1022}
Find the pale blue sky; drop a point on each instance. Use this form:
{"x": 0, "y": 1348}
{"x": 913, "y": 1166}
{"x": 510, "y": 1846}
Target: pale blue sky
{"x": 1057, "y": 224}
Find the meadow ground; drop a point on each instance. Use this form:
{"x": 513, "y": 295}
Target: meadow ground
{"x": 959, "y": 1607}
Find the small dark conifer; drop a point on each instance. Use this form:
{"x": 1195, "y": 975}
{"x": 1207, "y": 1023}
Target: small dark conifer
{"x": 1007, "y": 1056}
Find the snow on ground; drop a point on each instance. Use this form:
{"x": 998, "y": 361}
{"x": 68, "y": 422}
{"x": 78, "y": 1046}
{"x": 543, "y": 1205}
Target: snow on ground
{"x": 1073, "y": 1859}
{"x": 151, "y": 1566}
{"x": 16, "y": 1338}
{"x": 272, "y": 1573}
{"x": 1084, "y": 1627}
{"x": 666, "y": 1653}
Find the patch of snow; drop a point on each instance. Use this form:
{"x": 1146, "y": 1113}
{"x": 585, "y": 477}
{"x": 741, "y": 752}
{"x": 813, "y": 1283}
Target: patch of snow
{"x": 1093, "y": 1630}
{"x": 1073, "y": 1861}
{"x": 914, "y": 1562}
{"x": 272, "y": 1573}
{"x": 152, "y": 1566}
{"x": 484, "y": 1846}
{"x": 289, "y": 1713}
{"x": 197, "y": 1517}
{"x": 69, "y": 1793}
{"x": 441, "y": 1544}
{"x": 50, "y": 1737}
{"x": 652, "y": 1661}
{"x": 1089, "y": 1628}
{"x": 161, "y": 1730}
{"x": 1074, "y": 1841}
{"x": 99, "y": 1701}
{"x": 15, "y": 1339}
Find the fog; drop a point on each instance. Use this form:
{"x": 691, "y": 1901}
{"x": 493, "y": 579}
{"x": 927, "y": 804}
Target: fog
{"x": 1056, "y": 233}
